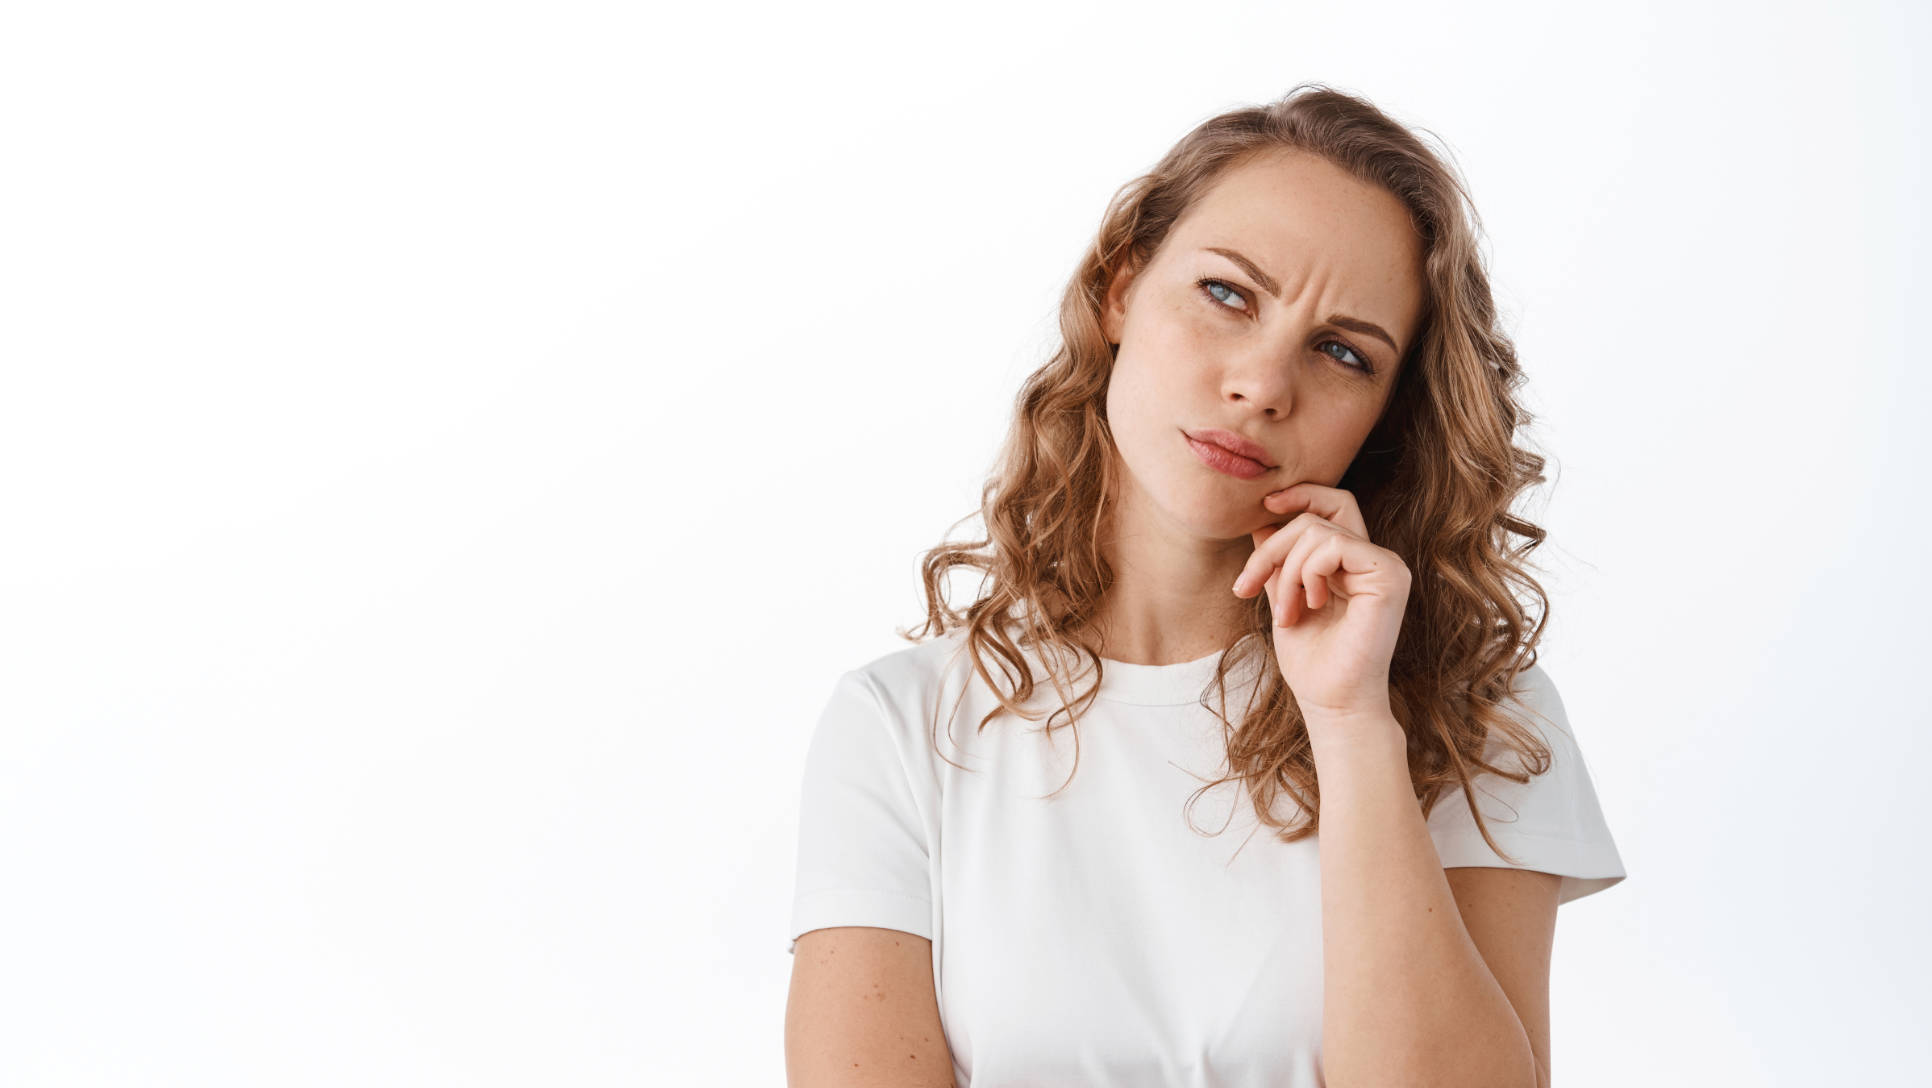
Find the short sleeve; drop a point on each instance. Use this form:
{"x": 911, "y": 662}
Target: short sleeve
{"x": 862, "y": 846}
{"x": 1552, "y": 824}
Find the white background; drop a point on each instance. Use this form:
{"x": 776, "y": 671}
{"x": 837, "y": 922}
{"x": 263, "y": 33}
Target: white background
{"x": 448, "y": 452}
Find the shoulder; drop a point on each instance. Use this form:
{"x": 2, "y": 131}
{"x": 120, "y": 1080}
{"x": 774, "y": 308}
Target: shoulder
{"x": 932, "y": 698}
{"x": 911, "y": 681}
{"x": 896, "y": 694}
{"x": 1535, "y": 702}
{"x": 916, "y": 666}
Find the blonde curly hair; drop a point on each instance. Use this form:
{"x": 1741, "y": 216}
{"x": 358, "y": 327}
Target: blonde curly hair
{"x": 1435, "y": 481}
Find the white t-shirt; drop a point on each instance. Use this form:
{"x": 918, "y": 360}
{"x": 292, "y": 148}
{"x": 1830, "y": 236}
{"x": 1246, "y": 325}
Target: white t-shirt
{"x": 1096, "y": 938}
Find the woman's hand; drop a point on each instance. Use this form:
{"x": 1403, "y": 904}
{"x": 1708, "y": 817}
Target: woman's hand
{"x": 1338, "y": 601}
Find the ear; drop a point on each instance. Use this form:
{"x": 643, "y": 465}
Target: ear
{"x": 1113, "y": 316}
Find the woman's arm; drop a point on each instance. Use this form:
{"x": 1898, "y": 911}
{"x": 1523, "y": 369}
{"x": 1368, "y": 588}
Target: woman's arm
{"x": 1407, "y": 997}
{"x": 864, "y": 1011}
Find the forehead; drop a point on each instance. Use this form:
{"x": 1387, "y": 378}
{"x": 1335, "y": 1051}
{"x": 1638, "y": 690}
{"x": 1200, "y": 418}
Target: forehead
{"x": 1299, "y": 216}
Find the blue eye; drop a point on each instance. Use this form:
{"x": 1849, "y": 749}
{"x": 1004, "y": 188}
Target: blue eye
{"x": 1363, "y": 365}
{"x": 1207, "y": 284}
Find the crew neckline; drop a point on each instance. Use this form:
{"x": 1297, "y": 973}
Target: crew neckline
{"x": 1181, "y": 683}
{"x": 1174, "y": 684}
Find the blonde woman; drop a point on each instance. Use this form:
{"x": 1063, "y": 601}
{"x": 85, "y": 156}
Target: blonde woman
{"x": 1249, "y": 549}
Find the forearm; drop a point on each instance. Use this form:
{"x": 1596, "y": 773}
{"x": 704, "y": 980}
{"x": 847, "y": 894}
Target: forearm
{"x": 1406, "y": 997}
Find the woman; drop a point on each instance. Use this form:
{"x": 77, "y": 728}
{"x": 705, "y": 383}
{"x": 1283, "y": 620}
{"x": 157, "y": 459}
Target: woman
{"x": 1274, "y": 459}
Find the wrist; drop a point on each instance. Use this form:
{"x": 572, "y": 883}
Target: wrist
{"x": 1375, "y": 731}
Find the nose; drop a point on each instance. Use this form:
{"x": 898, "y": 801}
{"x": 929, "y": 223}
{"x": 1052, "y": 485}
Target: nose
{"x": 1266, "y": 374}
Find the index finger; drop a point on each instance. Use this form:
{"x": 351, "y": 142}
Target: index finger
{"x": 1333, "y": 503}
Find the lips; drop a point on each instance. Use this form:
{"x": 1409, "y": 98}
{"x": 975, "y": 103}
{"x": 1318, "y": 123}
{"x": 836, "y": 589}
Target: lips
{"x": 1234, "y": 444}
{"x": 1223, "y": 460}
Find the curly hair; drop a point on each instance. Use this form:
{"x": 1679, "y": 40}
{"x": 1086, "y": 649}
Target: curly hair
{"x": 1435, "y": 480}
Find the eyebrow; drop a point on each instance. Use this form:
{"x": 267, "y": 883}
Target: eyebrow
{"x": 1268, "y": 284}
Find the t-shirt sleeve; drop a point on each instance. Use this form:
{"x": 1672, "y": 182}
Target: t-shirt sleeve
{"x": 1552, "y": 824}
{"x": 863, "y": 858}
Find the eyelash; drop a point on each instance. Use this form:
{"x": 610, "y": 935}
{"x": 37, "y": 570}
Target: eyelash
{"x": 1367, "y": 369}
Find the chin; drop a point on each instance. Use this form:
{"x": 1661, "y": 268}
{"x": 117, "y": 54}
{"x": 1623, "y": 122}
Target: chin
{"x": 1218, "y": 519}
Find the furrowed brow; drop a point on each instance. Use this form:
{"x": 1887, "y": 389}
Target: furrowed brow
{"x": 1268, "y": 284}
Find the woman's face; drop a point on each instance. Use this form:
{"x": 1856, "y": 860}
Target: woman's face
{"x": 1302, "y": 260}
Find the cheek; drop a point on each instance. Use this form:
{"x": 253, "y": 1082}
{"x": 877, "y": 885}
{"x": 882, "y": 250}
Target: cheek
{"x": 1338, "y": 443}
{"x": 1138, "y": 415}
{"x": 1185, "y": 339}
{"x": 1164, "y": 374}
{"x": 1131, "y": 384}
{"x": 1170, "y": 326}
